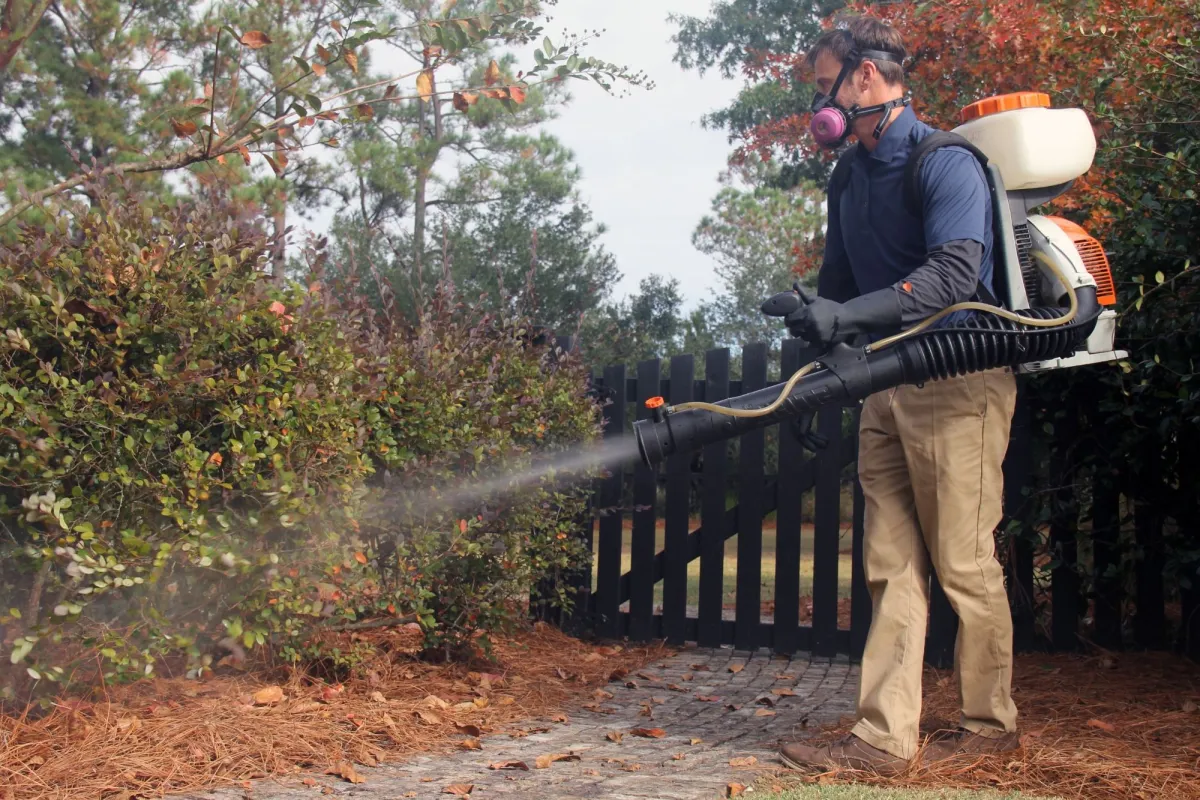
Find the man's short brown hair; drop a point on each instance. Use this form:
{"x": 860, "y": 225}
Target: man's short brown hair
{"x": 864, "y": 33}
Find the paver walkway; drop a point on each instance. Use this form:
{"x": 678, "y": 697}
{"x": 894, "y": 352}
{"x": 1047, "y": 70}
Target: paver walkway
{"x": 712, "y": 707}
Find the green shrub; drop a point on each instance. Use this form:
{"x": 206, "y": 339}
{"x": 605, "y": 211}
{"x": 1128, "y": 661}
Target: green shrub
{"x": 196, "y": 461}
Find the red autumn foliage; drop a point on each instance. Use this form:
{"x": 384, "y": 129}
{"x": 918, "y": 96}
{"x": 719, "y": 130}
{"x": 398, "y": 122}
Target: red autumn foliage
{"x": 965, "y": 50}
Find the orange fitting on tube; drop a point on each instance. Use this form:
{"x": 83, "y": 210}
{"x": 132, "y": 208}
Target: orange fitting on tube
{"x": 655, "y": 402}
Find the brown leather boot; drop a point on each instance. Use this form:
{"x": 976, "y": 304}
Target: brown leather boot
{"x": 965, "y": 744}
{"x": 848, "y": 753}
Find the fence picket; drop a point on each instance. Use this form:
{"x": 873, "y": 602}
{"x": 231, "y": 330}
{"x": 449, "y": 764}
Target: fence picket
{"x": 748, "y": 604}
{"x": 943, "y": 626}
{"x": 1018, "y": 467}
{"x": 1150, "y": 623}
{"x": 675, "y": 535}
{"x": 827, "y": 519}
{"x": 860, "y": 596}
{"x": 1106, "y": 536}
{"x": 788, "y": 520}
{"x": 608, "y": 568}
{"x": 712, "y": 545}
{"x": 642, "y": 544}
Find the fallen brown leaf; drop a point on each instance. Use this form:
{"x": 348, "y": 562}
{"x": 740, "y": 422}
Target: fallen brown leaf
{"x": 436, "y": 702}
{"x": 697, "y": 741}
{"x": 785, "y": 676}
{"x": 1102, "y": 725}
{"x": 560, "y": 718}
{"x": 764, "y": 712}
{"x": 600, "y": 694}
{"x": 509, "y": 765}
{"x": 679, "y": 757}
{"x": 736, "y": 668}
{"x": 1189, "y": 706}
{"x": 544, "y": 762}
{"x": 471, "y": 744}
{"x": 648, "y": 733}
{"x": 734, "y": 790}
{"x": 615, "y": 736}
{"x": 647, "y": 676}
{"x": 675, "y": 687}
{"x": 784, "y": 692}
{"x": 748, "y": 761}
{"x": 378, "y": 697}
{"x": 429, "y": 717}
{"x": 591, "y": 657}
{"x": 460, "y": 789}
{"x": 708, "y": 698}
{"x": 687, "y": 676}
{"x": 345, "y": 770}
{"x": 268, "y": 696}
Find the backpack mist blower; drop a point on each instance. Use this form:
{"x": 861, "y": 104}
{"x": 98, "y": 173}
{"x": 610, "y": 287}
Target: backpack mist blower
{"x": 1053, "y": 287}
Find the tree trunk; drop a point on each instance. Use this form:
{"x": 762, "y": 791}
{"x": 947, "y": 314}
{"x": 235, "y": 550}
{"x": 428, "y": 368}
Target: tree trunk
{"x": 278, "y": 262}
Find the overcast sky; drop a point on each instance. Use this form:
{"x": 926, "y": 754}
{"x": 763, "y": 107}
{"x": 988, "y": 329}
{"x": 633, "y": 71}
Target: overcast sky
{"x": 649, "y": 170}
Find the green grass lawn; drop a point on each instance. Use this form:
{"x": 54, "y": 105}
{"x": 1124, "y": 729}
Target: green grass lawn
{"x": 851, "y": 792}
{"x": 767, "y": 582}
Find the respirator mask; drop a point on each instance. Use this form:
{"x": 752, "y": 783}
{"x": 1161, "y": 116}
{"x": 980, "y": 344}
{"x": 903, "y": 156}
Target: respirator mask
{"x": 830, "y": 124}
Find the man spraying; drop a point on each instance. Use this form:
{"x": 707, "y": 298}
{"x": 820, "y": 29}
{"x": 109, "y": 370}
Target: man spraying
{"x": 930, "y": 457}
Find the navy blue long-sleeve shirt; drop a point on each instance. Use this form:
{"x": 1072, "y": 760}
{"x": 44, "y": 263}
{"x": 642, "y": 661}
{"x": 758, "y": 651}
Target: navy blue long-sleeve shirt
{"x": 872, "y": 242}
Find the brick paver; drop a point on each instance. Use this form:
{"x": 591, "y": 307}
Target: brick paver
{"x": 719, "y": 699}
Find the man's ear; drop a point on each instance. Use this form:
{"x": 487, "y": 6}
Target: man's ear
{"x": 867, "y": 73}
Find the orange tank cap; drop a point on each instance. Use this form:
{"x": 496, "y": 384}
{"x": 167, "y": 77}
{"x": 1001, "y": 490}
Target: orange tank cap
{"x": 655, "y": 402}
{"x": 1005, "y": 102}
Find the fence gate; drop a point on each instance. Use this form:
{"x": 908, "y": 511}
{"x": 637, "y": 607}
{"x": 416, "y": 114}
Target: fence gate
{"x": 664, "y": 564}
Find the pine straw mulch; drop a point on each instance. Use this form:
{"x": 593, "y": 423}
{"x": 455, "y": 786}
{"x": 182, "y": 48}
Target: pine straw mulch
{"x": 173, "y": 735}
{"x": 1107, "y": 727}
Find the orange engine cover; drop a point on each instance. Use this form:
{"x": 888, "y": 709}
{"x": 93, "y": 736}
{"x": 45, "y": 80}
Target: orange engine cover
{"x": 1093, "y": 258}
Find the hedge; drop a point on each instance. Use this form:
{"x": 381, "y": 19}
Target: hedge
{"x": 196, "y": 461}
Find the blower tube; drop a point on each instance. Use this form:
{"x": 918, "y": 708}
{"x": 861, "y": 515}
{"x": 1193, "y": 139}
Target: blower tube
{"x": 847, "y": 374}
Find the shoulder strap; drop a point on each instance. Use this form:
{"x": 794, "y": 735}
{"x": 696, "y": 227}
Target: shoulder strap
{"x": 912, "y": 171}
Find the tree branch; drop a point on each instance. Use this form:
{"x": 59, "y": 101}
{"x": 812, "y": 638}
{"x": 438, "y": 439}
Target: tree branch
{"x": 11, "y": 39}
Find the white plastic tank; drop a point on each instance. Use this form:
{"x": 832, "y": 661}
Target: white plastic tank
{"x": 1032, "y": 144}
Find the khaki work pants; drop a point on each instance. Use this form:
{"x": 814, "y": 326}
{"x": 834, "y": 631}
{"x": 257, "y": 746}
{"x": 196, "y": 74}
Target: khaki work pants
{"x": 930, "y": 463}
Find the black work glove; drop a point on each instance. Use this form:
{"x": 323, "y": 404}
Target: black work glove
{"x": 802, "y": 430}
{"x": 821, "y": 322}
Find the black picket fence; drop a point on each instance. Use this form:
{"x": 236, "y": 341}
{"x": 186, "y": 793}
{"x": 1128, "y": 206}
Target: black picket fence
{"x": 817, "y": 507}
